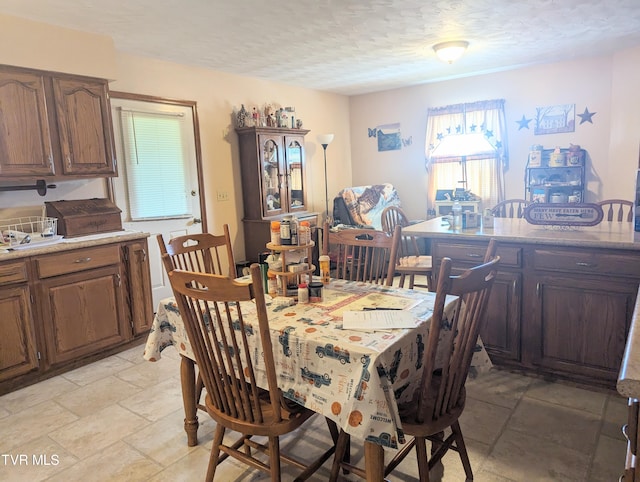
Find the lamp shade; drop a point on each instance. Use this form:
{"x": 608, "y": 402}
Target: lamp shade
{"x": 325, "y": 139}
{"x": 449, "y": 52}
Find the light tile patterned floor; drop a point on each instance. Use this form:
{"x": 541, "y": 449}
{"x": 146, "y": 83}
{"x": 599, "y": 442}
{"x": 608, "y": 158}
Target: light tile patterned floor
{"x": 120, "y": 419}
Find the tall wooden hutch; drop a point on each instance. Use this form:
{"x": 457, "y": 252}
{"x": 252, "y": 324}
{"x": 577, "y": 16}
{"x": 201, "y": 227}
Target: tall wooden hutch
{"x": 272, "y": 161}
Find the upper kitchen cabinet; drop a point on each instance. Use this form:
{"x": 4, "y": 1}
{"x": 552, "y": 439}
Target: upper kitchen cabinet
{"x": 84, "y": 126}
{"x": 54, "y": 126}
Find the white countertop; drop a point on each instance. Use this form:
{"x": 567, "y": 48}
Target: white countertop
{"x": 66, "y": 244}
{"x": 604, "y": 235}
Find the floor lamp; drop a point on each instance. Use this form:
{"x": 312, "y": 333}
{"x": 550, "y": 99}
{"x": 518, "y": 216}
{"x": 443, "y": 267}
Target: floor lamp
{"x": 325, "y": 140}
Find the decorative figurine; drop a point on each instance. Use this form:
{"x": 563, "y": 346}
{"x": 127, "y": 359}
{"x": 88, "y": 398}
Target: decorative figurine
{"x": 242, "y": 117}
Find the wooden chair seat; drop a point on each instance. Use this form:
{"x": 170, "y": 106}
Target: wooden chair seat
{"x": 410, "y": 262}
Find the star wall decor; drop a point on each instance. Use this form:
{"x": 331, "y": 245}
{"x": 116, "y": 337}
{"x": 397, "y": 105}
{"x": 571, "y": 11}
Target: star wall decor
{"x": 524, "y": 122}
{"x": 586, "y": 116}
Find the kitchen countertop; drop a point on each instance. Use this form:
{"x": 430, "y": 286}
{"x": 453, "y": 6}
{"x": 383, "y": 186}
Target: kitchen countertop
{"x": 629, "y": 378}
{"x": 73, "y": 243}
{"x": 604, "y": 235}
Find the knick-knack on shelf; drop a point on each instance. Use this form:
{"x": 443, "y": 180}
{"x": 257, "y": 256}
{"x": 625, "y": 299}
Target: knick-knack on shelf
{"x": 242, "y": 117}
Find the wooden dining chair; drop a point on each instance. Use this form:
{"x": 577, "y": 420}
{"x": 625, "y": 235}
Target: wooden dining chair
{"x": 205, "y": 253}
{"x": 439, "y": 400}
{"x": 617, "y": 210}
{"x": 363, "y": 254}
{"x": 510, "y": 208}
{"x": 410, "y": 262}
{"x": 212, "y": 311}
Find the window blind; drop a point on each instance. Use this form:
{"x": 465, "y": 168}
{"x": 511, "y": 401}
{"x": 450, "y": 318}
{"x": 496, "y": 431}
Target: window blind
{"x": 155, "y": 157}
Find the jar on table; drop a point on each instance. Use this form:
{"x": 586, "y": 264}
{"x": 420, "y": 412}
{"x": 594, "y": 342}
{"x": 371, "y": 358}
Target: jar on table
{"x": 315, "y": 292}
{"x": 325, "y": 262}
{"x": 303, "y": 293}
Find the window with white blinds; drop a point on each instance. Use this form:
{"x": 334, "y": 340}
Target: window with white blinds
{"x": 155, "y": 153}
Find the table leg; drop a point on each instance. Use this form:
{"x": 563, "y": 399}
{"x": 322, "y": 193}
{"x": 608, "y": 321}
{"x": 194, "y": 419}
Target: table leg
{"x": 188, "y": 382}
{"x": 374, "y": 462}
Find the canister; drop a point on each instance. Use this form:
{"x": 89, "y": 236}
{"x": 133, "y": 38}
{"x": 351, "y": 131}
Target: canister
{"x": 324, "y": 268}
{"x": 557, "y": 158}
{"x": 315, "y": 291}
{"x": 535, "y": 156}
{"x": 574, "y": 156}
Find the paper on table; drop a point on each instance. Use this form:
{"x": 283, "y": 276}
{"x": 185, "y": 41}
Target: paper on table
{"x": 372, "y": 320}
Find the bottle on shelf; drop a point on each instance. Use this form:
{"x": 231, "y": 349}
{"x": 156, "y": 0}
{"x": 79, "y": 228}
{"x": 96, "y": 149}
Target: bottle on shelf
{"x": 285, "y": 230}
{"x": 293, "y": 227}
{"x": 275, "y": 232}
{"x": 304, "y": 233}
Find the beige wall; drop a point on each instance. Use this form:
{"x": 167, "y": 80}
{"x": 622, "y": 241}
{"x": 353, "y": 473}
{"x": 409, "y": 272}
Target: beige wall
{"x": 217, "y": 95}
{"x": 605, "y": 85}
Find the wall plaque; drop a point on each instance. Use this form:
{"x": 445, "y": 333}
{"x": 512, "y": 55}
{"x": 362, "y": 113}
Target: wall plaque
{"x": 570, "y": 214}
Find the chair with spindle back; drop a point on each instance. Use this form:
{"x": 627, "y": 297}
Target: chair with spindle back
{"x": 363, "y": 254}
{"x": 510, "y": 208}
{"x": 410, "y": 262}
{"x": 214, "y": 310}
{"x": 439, "y": 400}
{"x": 617, "y": 210}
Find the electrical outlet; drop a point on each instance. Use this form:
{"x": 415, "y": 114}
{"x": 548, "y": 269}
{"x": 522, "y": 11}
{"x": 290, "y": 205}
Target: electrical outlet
{"x": 223, "y": 195}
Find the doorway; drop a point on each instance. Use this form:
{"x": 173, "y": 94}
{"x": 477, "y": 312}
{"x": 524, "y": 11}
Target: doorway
{"x": 159, "y": 187}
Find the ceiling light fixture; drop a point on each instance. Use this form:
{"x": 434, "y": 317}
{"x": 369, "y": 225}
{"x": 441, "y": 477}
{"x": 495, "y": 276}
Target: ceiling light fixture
{"x": 449, "y": 52}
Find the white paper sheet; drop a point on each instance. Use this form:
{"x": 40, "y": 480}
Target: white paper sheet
{"x": 372, "y": 320}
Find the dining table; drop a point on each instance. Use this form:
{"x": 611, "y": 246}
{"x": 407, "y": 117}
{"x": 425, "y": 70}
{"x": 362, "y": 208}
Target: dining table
{"x": 355, "y": 377}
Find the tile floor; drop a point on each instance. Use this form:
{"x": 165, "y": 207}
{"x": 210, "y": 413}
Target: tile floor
{"x": 120, "y": 419}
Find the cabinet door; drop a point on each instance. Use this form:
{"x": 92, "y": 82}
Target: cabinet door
{"x": 83, "y": 313}
{"x": 139, "y": 287}
{"x": 84, "y": 121}
{"x": 501, "y": 332}
{"x": 580, "y": 323}
{"x": 25, "y": 139}
{"x": 17, "y": 343}
{"x": 274, "y": 194}
{"x": 294, "y": 158}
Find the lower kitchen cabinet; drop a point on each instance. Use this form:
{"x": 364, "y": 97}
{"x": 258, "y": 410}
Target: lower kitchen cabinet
{"x": 501, "y": 331}
{"x": 83, "y": 313}
{"x": 579, "y": 324}
{"x": 555, "y": 310}
{"x": 138, "y": 286}
{"x": 17, "y": 344}
{"x": 62, "y": 309}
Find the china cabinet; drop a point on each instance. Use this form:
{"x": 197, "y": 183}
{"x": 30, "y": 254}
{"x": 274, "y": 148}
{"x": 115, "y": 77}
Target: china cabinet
{"x": 551, "y": 181}
{"x": 272, "y": 162}
{"x": 54, "y": 126}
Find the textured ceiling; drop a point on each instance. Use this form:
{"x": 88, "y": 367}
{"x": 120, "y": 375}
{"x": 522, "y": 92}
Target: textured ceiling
{"x": 349, "y": 46}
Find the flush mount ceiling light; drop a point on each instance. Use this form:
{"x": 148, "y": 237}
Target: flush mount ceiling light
{"x": 449, "y": 52}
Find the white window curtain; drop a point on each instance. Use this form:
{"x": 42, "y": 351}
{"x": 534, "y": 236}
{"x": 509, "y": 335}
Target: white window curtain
{"x": 485, "y": 168}
{"x": 154, "y": 151}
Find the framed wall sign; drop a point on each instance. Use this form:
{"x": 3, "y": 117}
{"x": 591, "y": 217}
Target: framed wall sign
{"x": 566, "y": 214}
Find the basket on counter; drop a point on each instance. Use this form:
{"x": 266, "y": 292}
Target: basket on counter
{"x": 28, "y": 230}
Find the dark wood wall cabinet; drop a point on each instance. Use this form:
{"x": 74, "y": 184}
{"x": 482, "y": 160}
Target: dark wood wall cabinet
{"x": 272, "y": 162}
{"x": 561, "y": 311}
{"x": 54, "y": 126}
{"x": 69, "y": 307}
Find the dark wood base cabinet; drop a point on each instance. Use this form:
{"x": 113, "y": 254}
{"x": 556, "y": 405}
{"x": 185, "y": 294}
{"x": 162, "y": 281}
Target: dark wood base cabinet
{"x": 557, "y": 311}
{"x": 86, "y": 301}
